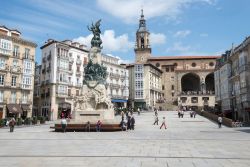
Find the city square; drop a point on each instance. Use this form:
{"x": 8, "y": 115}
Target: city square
{"x": 124, "y": 83}
{"x": 186, "y": 142}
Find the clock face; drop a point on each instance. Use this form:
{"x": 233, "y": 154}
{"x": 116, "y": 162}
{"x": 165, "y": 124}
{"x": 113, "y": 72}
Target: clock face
{"x": 142, "y": 34}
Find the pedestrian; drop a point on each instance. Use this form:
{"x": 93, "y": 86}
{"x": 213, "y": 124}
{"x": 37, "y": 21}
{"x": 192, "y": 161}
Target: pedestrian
{"x": 156, "y": 112}
{"x": 156, "y": 120}
{"x": 132, "y": 122}
{"x": 129, "y": 123}
{"x": 191, "y": 114}
{"x": 194, "y": 114}
{"x": 122, "y": 114}
{"x": 64, "y": 124}
{"x": 87, "y": 127}
{"x": 12, "y": 124}
{"x": 139, "y": 111}
{"x": 219, "y": 121}
{"x": 182, "y": 113}
{"x": 163, "y": 123}
{"x": 179, "y": 113}
{"x": 98, "y": 126}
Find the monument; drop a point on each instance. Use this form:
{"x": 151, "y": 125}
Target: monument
{"x": 94, "y": 104}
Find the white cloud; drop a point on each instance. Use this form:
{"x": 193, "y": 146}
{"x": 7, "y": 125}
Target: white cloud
{"x": 182, "y": 34}
{"x": 157, "y": 38}
{"x": 110, "y": 43}
{"x": 203, "y": 35}
{"x": 129, "y": 10}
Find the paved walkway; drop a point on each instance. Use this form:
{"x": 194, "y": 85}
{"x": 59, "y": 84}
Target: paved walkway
{"x": 186, "y": 142}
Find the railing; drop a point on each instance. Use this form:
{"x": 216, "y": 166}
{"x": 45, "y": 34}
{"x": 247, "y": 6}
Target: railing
{"x": 114, "y": 85}
{"x": 16, "y": 69}
{"x": 27, "y": 56}
{"x": 78, "y": 85}
{"x": 24, "y": 86}
{"x": 4, "y": 68}
{"x": 185, "y": 93}
{"x": 61, "y": 94}
{"x": 25, "y": 101}
{"x": 113, "y": 75}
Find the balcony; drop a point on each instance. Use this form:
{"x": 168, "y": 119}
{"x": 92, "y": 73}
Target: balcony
{"x": 4, "y": 68}
{"x": 62, "y": 69}
{"x": 25, "y": 101}
{"x": 61, "y": 94}
{"x": 113, "y": 75}
{"x": 13, "y": 101}
{"x": 15, "y": 69}
{"x": 16, "y": 55}
{"x": 4, "y": 52}
{"x": 79, "y": 73}
{"x": 201, "y": 93}
{"x": 25, "y": 86}
{"x": 70, "y": 84}
{"x": 114, "y": 86}
{"x": 27, "y": 57}
{"x": 3, "y": 100}
{"x": 155, "y": 89}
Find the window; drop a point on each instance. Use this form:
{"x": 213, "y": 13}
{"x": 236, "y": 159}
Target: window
{"x": 5, "y": 46}
{"x": 15, "y": 62}
{"x": 24, "y": 97}
{"x": 163, "y": 87}
{"x": 167, "y": 69}
{"x": 13, "y": 97}
{"x": 27, "y": 67}
{"x": 69, "y": 92}
{"x": 77, "y": 92}
{"x": 175, "y": 64}
{"x": 1, "y": 96}
{"x": 85, "y": 60}
{"x": 27, "y": 53}
{"x": 193, "y": 64}
{"x": 172, "y": 87}
{"x": 1, "y": 79}
{"x": 2, "y": 63}
{"x": 172, "y": 69}
{"x": 78, "y": 69}
{"x": 13, "y": 80}
{"x": 70, "y": 67}
{"x": 16, "y": 51}
{"x": 172, "y": 94}
{"x": 211, "y": 64}
{"x": 157, "y": 65}
{"x": 172, "y": 78}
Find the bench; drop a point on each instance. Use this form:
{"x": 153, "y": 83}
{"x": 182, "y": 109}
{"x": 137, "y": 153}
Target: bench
{"x": 82, "y": 127}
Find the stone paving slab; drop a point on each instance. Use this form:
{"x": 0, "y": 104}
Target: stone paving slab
{"x": 186, "y": 142}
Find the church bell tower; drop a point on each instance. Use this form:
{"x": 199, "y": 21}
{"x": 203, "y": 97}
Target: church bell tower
{"x": 142, "y": 46}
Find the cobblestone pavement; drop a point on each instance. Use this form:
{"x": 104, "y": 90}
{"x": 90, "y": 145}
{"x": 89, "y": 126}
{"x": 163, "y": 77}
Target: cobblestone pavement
{"x": 186, "y": 142}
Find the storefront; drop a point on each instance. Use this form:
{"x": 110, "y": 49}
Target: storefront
{"x": 14, "y": 110}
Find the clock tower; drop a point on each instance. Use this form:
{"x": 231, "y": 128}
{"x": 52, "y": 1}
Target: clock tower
{"x": 142, "y": 47}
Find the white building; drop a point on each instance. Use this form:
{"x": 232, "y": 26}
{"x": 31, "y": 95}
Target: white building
{"x": 117, "y": 81}
{"x": 60, "y": 78}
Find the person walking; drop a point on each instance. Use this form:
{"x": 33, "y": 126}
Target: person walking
{"x": 156, "y": 120}
{"x": 219, "y": 121}
{"x": 64, "y": 124}
{"x": 129, "y": 122}
{"x": 98, "y": 126}
{"x": 12, "y": 124}
{"x": 194, "y": 114}
{"x": 182, "y": 113}
{"x": 132, "y": 122}
{"x": 139, "y": 111}
{"x": 163, "y": 123}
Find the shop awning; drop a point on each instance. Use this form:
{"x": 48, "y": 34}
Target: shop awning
{"x": 14, "y": 108}
{"x": 25, "y": 107}
{"x": 119, "y": 100}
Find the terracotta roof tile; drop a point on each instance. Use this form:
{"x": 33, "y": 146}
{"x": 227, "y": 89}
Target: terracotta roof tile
{"x": 182, "y": 57}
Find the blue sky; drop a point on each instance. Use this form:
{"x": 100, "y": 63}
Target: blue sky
{"x": 177, "y": 27}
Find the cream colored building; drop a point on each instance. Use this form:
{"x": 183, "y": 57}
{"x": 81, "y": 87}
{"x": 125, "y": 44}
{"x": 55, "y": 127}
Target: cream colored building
{"x": 17, "y": 57}
{"x": 186, "y": 81}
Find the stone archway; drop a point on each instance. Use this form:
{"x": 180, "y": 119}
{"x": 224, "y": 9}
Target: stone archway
{"x": 190, "y": 82}
{"x": 209, "y": 81}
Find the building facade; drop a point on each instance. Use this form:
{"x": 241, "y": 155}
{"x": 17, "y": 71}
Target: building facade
{"x": 117, "y": 81}
{"x": 59, "y": 79}
{"x": 17, "y": 57}
{"x": 187, "y": 81}
{"x": 233, "y": 90}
